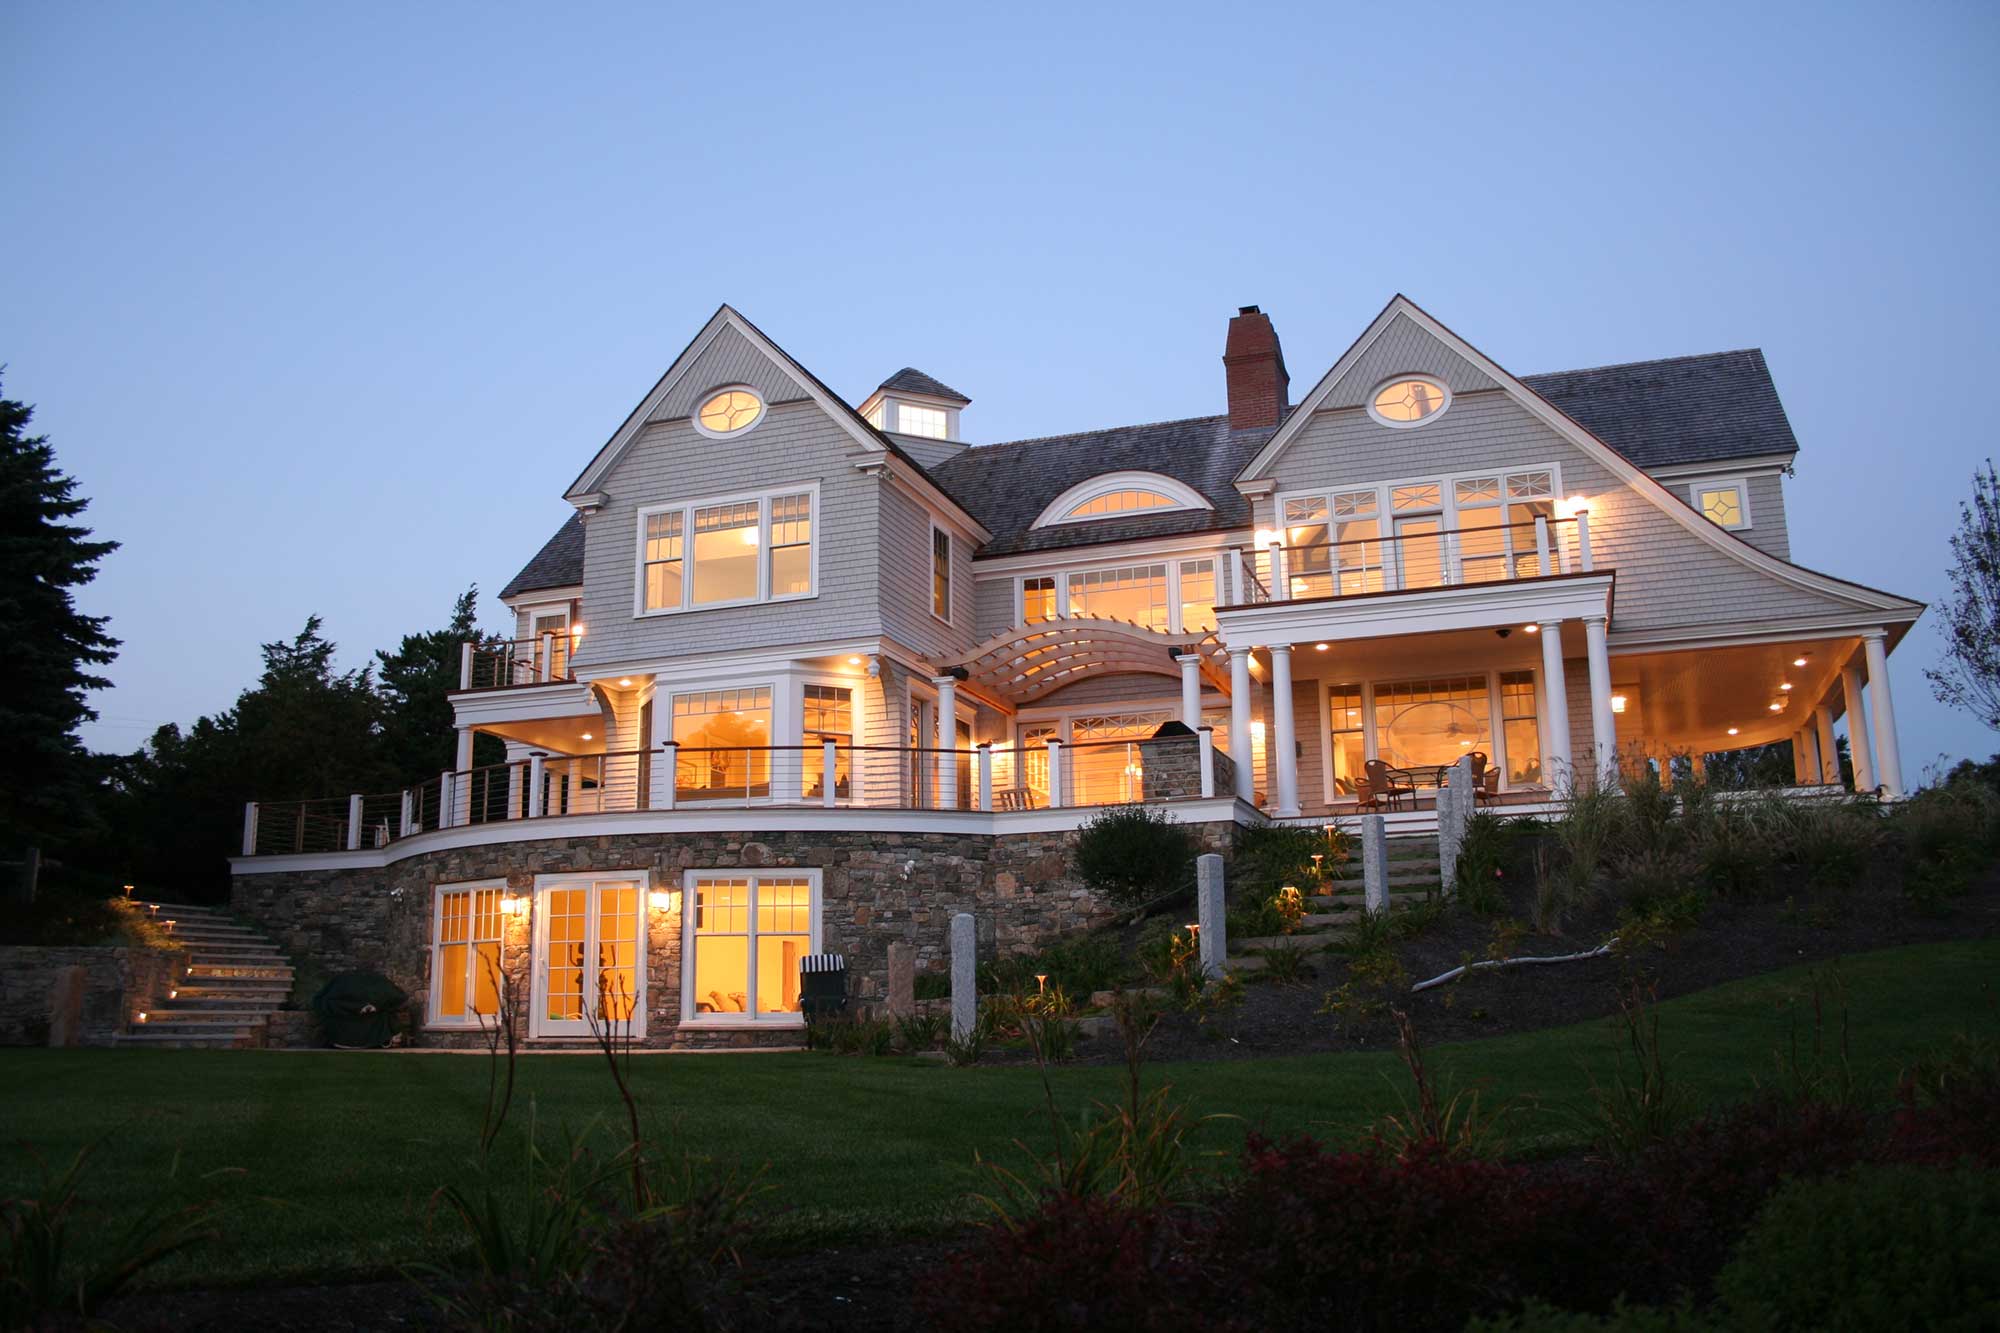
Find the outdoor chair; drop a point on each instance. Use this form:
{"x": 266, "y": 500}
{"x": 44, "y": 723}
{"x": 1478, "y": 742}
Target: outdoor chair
{"x": 1014, "y": 798}
{"x": 1390, "y": 785}
{"x": 822, "y": 985}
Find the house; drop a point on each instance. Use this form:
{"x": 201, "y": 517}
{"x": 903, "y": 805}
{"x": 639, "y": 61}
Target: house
{"x": 800, "y": 676}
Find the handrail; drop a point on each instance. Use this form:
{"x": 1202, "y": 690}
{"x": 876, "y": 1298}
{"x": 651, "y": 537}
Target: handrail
{"x": 1267, "y": 568}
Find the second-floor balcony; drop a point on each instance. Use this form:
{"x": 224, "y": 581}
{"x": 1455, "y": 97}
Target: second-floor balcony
{"x": 1419, "y": 555}
{"x": 495, "y": 664}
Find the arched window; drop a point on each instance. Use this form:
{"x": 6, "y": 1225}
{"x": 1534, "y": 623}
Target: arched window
{"x": 1121, "y": 495}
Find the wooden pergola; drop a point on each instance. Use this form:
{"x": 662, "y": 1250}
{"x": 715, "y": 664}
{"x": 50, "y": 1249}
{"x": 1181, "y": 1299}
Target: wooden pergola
{"x": 1029, "y": 662}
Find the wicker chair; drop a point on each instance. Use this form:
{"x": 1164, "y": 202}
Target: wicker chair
{"x": 1382, "y": 782}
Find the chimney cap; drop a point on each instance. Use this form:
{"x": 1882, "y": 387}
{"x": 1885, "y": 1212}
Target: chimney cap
{"x": 1248, "y": 310}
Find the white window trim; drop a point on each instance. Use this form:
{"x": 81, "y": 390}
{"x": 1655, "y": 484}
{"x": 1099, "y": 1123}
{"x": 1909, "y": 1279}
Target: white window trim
{"x": 1431, "y": 380}
{"x": 1175, "y": 624}
{"x": 1741, "y": 485}
{"x": 763, "y": 410}
{"x": 814, "y": 877}
{"x": 787, "y": 709}
{"x": 950, "y": 579}
{"x": 538, "y": 951}
{"x": 1498, "y": 757}
{"x": 471, "y": 1022}
{"x": 1447, "y": 484}
{"x": 763, "y": 499}
{"x": 1185, "y": 497}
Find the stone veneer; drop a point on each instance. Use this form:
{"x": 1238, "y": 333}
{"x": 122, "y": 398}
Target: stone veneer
{"x": 876, "y": 889}
{"x": 119, "y": 980}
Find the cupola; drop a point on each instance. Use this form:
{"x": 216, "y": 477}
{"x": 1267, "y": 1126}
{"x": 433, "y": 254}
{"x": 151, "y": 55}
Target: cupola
{"x": 910, "y": 402}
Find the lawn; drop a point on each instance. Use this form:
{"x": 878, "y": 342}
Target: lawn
{"x": 326, "y": 1162}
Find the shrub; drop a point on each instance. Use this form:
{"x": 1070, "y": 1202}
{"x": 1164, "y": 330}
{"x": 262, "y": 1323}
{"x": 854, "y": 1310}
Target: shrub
{"x": 1585, "y": 830}
{"x": 1080, "y": 963}
{"x": 1482, "y": 862}
{"x": 917, "y": 1033}
{"x": 1135, "y": 855}
{"x": 1882, "y": 1247}
{"x": 1286, "y": 963}
{"x": 1269, "y": 856}
{"x": 1948, "y": 1106}
{"x": 1255, "y": 919}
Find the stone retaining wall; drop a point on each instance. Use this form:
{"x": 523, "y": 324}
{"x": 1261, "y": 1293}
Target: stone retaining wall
{"x": 876, "y": 889}
{"x": 119, "y": 980}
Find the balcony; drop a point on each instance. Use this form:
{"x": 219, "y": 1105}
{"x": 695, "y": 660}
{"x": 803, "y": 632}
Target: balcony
{"x": 863, "y": 779}
{"x": 1421, "y": 557}
{"x": 510, "y": 663}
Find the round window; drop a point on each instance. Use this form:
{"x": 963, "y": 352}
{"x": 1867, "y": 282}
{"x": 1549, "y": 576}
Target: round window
{"x": 730, "y": 411}
{"x": 1405, "y": 402}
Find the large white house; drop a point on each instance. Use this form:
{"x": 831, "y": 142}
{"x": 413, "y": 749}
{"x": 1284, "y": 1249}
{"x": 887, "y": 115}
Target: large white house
{"x": 800, "y": 675}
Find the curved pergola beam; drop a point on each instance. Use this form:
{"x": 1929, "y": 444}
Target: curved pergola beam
{"x": 1030, "y": 661}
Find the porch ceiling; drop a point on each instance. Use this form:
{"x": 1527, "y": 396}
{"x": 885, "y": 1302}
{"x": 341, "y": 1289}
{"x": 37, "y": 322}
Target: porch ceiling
{"x": 1688, "y": 699}
{"x": 559, "y": 735}
{"x": 1023, "y": 664}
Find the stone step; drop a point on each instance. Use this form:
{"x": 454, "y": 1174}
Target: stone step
{"x": 1303, "y": 943}
{"x": 1396, "y": 896}
{"x": 172, "y": 1015}
{"x": 203, "y": 972}
{"x": 234, "y": 990}
{"x": 180, "y": 1002}
{"x": 250, "y": 944}
{"x": 201, "y": 929}
{"x": 189, "y": 1041}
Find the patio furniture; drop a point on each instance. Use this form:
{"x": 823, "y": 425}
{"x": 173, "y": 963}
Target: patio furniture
{"x": 1014, "y": 798}
{"x": 1390, "y": 784}
{"x": 822, "y": 985}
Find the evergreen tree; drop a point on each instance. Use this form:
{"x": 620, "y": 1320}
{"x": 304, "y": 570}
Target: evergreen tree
{"x": 51, "y": 647}
{"x": 1968, "y": 677}
{"x": 415, "y": 684}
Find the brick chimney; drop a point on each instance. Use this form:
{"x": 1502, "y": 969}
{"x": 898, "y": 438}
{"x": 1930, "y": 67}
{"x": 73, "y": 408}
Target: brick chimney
{"x": 1255, "y": 366}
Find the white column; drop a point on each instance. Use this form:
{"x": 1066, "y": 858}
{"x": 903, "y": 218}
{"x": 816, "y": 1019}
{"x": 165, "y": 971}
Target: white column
{"x": 1058, "y": 795}
{"x": 535, "y": 784}
{"x": 1282, "y": 735}
{"x": 1888, "y": 757}
{"x": 249, "y": 828}
{"x": 465, "y": 666}
{"x": 1603, "y": 722}
{"x": 986, "y": 775}
{"x": 1554, "y": 723}
{"x": 1859, "y": 747}
{"x": 461, "y": 811}
{"x": 1239, "y": 723}
{"x": 1829, "y": 755}
{"x": 353, "y": 822}
{"x": 947, "y": 741}
{"x": 1206, "y": 736}
{"x": 1190, "y": 689}
{"x": 1802, "y": 757}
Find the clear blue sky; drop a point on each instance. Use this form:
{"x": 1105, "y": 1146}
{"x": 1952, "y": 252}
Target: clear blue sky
{"x": 324, "y": 306}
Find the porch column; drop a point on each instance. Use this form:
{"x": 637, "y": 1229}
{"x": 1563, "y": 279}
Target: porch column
{"x": 1829, "y": 754}
{"x": 1281, "y": 730}
{"x": 1603, "y": 722}
{"x": 1802, "y": 757}
{"x": 1888, "y": 758}
{"x": 1698, "y": 766}
{"x": 462, "y": 793}
{"x": 1239, "y": 723}
{"x": 1859, "y": 748}
{"x": 1190, "y": 664}
{"x": 947, "y": 740}
{"x": 1554, "y": 723}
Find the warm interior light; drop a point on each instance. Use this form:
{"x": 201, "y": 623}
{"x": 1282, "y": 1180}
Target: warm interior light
{"x": 1571, "y": 507}
{"x": 1321, "y": 647}
{"x": 142, "y": 1015}
{"x": 1617, "y": 703}
{"x": 1732, "y": 731}
{"x": 1531, "y": 629}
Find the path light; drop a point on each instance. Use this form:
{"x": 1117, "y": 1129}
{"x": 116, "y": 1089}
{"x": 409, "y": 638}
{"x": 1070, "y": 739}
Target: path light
{"x": 173, "y": 995}
{"x": 142, "y": 1015}
{"x": 1193, "y": 928}
{"x": 128, "y": 890}
{"x": 1041, "y": 983}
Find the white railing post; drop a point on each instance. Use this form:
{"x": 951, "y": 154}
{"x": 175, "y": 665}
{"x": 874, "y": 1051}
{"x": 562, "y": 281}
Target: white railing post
{"x": 535, "y": 784}
{"x": 1281, "y": 583}
{"x": 666, "y": 772}
{"x": 447, "y": 800}
{"x": 1239, "y": 592}
{"x": 829, "y": 758}
{"x": 465, "y": 666}
{"x": 1583, "y": 541}
{"x": 1057, "y": 797}
{"x": 1452, "y": 573}
{"x": 249, "y": 828}
{"x": 1541, "y": 544}
{"x": 353, "y": 823}
{"x": 546, "y": 669}
{"x": 406, "y": 818}
{"x": 986, "y": 775}
{"x": 1207, "y": 738}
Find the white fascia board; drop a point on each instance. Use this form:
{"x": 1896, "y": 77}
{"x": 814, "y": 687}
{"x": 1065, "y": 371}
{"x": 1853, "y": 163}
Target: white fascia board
{"x": 521, "y": 601}
{"x": 1695, "y": 637}
{"x": 522, "y": 703}
{"x": 1756, "y": 465}
{"x": 1621, "y": 467}
{"x": 694, "y": 666}
{"x": 1423, "y": 611}
{"x": 734, "y": 819}
{"x": 1206, "y": 542}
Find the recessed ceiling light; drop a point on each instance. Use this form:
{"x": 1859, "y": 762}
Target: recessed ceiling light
{"x": 586, "y": 735}
{"x": 1798, "y": 661}
{"x": 1777, "y": 706}
{"x": 1532, "y": 629}
{"x": 624, "y": 680}
{"x": 1784, "y": 684}
{"x": 1321, "y": 647}
{"x": 1732, "y": 731}
{"x": 854, "y": 661}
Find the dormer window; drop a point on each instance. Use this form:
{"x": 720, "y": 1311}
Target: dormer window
{"x": 912, "y": 403}
{"x": 1121, "y": 495}
{"x": 929, "y": 422}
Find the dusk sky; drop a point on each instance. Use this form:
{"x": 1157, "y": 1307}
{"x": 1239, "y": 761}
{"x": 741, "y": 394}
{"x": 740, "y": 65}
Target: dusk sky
{"x": 325, "y": 306}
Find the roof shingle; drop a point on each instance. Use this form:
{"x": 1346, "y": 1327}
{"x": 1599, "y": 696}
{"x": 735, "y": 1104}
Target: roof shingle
{"x": 1685, "y": 409}
{"x": 911, "y": 380}
{"x": 559, "y": 564}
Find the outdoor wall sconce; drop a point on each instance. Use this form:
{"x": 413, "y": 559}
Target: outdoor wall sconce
{"x": 513, "y": 906}
{"x": 666, "y": 900}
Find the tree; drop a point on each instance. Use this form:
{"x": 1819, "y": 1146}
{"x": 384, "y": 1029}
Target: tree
{"x": 1968, "y": 676}
{"x": 51, "y": 648}
{"x": 415, "y": 683}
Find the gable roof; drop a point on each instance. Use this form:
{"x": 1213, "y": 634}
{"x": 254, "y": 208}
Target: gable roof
{"x": 911, "y": 380}
{"x": 1684, "y": 409}
{"x": 1009, "y": 485}
{"x": 559, "y": 564}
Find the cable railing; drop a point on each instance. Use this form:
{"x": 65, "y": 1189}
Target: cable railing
{"x": 495, "y": 664}
{"x": 1273, "y": 570}
{"x": 827, "y": 773}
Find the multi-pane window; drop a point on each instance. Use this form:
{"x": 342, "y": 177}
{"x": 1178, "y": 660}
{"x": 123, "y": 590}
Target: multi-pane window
{"x": 1428, "y": 724}
{"x": 1468, "y": 529}
{"x": 1038, "y": 600}
{"x": 723, "y": 739}
{"x": 1723, "y": 505}
{"x": 1349, "y": 738}
{"x": 750, "y": 932}
{"x": 1518, "y": 725}
{"x": 694, "y": 556}
{"x": 1137, "y": 594}
{"x": 590, "y": 967}
{"x": 1496, "y": 524}
{"x": 1197, "y": 597}
{"x": 941, "y": 574}
{"x": 828, "y": 716}
{"x": 465, "y": 967}
{"x": 929, "y": 422}
{"x": 1113, "y": 504}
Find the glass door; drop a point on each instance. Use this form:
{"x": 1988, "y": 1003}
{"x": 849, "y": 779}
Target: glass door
{"x": 588, "y": 940}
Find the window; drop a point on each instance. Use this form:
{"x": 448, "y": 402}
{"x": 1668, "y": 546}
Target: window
{"x": 1349, "y": 738}
{"x": 1409, "y": 401}
{"x": 1197, "y": 596}
{"x": 1038, "y": 600}
{"x": 747, "y": 932}
{"x": 1114, "y": 503}
{"x": 1517, "y": 720}
{"x": 1338, "y": 543}
{"x": 591, "y": 947}
{"x": 726, "y": 553}
{"x": 723, "y": 739}
{"x": 941, "y": 574}
{"x": 1496, "y": 524}
{"x": 1137, "y": 594}
{"x": 1725, "y": 504}
{"x": 465, "y": 961}
{"x": 1430, "y": 723}
{"x": 877, "y": 415}
{"x": 929, "y": 422}
{"x": 729, "y": 412}
{"x": 829, "y": 716}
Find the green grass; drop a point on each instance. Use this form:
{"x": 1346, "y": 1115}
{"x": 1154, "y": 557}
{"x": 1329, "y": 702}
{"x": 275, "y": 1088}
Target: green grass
{"x": 326, "y": 1162}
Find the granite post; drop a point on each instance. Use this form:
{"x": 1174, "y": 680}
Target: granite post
{"x": 1455, "y": 802}
{"x": 1211, "y": 912}
{"x": 902, "y": 980}
{"x": 1375, "y": 862}
{"x": 964, "y": 976}
{"x": 66, "y": 1007}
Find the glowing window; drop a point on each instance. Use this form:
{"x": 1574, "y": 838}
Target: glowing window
{"x": 722, "y": 739}
{"x": 730, "y": 411}
{"x": 929, "y": 422}
{"x": 465, "y": 969}
{"x": 1137, "y": 594}
{"x": 1114, "y": 503}
{"x": 1723, "y": 506}
{"x": 1406, "y": 402}
{"x": 750, "y": 931}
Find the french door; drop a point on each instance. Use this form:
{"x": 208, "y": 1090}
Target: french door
{"x": 590, "y": 942}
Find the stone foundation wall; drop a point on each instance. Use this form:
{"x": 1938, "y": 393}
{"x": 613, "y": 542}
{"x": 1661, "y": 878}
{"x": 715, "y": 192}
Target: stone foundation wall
{"x": 118, "y": 982}
{"x": 876, "y": 889}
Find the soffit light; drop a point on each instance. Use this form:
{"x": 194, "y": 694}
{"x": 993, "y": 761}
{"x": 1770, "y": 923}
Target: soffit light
{"x": 1321, "y": 647}
{"x": 854, "y": 661}
{"x": 625, "y": 680}
{"x": 1798, "y": 661}
{"x": 1531, "y": 629}
{"x": 587, "y": 736}
{"x": 1732, "y": 731}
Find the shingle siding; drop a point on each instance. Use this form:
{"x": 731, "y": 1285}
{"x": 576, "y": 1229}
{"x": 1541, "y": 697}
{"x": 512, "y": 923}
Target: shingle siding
{"x": 1405, "y": 349}
{"x": 729, "y": 359}
{"x": 904, "y": 576}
